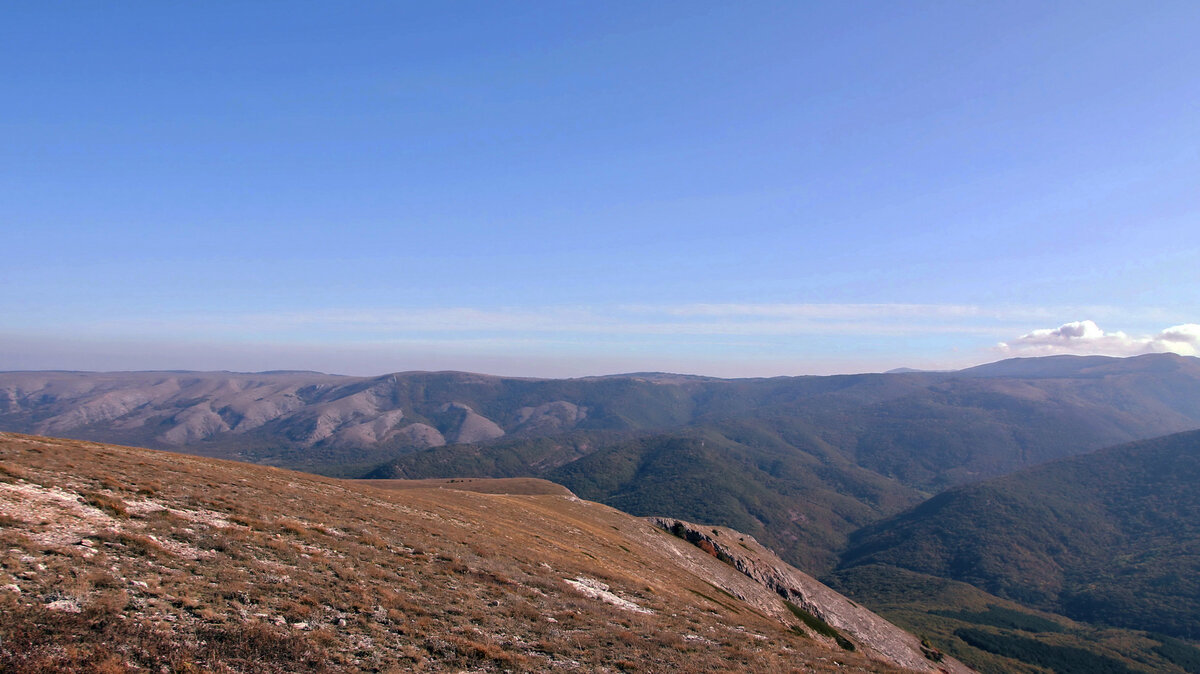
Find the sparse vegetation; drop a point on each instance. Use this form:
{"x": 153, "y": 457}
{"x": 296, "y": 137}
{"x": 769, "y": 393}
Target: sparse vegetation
{"x": 233, "y": 568}
{"x": 1059, "y": 659}
{"x": 819, "y": 626}
{"x": 1004, "y": 617}
{"x": 109, "y": 504}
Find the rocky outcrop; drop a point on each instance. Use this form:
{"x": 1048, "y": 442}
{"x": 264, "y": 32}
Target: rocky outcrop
{"x": 865, "y": 629}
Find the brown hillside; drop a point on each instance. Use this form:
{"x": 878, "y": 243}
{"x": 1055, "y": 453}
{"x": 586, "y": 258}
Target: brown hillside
{"x": 524, "y": 486}
{"x": 120, "y": 559}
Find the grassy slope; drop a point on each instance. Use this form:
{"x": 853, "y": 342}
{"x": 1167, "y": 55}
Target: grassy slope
{"x": 519, "y": 486}
{"x": 119, "y": 559}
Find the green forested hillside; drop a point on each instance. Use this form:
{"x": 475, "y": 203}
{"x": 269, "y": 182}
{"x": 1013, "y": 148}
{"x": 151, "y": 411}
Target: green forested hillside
{"x": 803, "y": 504}
{"x": 800, "y": 505}
{"x": 998, "y": 636}
{"x": 1111, "y": 537}
{"x": 803, "y": 462}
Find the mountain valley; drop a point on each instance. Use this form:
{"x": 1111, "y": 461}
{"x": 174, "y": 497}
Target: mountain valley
{"x": 1111, "y": 537}
{"x": 1001, "y": 512}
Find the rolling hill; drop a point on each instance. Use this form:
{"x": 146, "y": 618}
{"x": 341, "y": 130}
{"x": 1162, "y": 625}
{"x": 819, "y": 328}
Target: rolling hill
{"x": 886, "y": 485}
{"x": 927, "y": 430}
{"x": 120, "y": 559}
{"x": 800, "y": 462}
{"x": 1000, "y": 636}
{"x": 1111, "y": 537}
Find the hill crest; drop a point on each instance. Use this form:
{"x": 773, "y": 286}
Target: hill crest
{"x": 138, "y": 556}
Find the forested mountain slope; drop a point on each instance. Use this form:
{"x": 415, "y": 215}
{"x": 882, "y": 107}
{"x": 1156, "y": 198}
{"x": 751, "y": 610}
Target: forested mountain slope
{"x": 928, "y": 430}
{"x": 1110, "y": 537}
{"x": 800, "y": 462}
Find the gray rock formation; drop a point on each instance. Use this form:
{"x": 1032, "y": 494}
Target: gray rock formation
{"x": 878, "y": 637}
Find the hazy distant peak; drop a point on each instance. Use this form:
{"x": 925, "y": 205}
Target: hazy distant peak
{"x": 1070, "y": 366}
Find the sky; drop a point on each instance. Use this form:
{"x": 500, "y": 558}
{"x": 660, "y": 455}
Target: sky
{"x": 575, "y": 188}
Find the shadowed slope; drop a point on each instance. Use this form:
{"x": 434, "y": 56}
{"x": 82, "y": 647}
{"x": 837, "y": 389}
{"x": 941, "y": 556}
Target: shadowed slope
{"x": 1111, "y": 537}
{"x": 999, "y": 636}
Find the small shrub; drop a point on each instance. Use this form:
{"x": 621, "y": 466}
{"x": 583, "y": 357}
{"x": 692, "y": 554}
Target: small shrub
{"x": 10, "y": 473}
{"x": 109, "y": 603}
{"x": 109, "y": 504}
{"x": 139, "y": 544}
{"x": 819, "y": 626}
{"x": 294, "y": 527}
{"x": 932, "y": 654}
{"x": 149, "y": 488}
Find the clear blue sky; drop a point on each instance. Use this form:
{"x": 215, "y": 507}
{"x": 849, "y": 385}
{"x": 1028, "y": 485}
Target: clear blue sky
{"x": 565, "y": 188}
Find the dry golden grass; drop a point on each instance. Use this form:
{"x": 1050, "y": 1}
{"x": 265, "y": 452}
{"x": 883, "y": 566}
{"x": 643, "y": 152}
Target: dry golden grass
{"x": 118, "y": 559}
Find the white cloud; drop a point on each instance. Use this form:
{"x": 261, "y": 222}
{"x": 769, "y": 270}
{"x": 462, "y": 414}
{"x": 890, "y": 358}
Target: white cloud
{"x": 1087, "y": 338}
{"x": 1186, "y": 336}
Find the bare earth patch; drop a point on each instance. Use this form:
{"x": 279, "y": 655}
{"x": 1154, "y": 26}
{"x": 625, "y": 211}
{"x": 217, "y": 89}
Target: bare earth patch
{"x": 593, "y": 588}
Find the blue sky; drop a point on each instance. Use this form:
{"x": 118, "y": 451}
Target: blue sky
{"x": 571, "y": 188}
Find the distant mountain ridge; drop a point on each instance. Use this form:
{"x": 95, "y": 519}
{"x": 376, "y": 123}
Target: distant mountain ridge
{"x": 835, "y": 474}
{"x": 306, "y": 418}
{"x": 800, "y": 462}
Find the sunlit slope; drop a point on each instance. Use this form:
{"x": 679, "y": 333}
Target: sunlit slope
{"x": 116, "y": 557}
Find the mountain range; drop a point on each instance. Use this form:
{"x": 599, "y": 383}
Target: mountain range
{"x": 800, "y": 462}
{"x": 1001, "y": 511}
{"x": 971, "y": 424}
